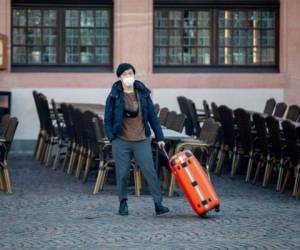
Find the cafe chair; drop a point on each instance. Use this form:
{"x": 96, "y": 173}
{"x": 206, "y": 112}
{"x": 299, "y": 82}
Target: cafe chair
{"x": 5, "y": 144}
{"x": 293, "y": 113}
{"x": 280, "y": 109}
{"x": 269, "y": 106}
{"x": 228, "y": 137}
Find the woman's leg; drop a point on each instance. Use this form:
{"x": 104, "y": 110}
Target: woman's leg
{"x": 122, "y": 155}
{"x": 143, "y": 155}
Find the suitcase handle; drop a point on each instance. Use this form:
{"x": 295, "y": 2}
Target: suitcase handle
{"x": 165, "y": 153}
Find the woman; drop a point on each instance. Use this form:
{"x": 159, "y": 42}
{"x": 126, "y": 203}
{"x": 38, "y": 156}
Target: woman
{"x": 128, "y": 112}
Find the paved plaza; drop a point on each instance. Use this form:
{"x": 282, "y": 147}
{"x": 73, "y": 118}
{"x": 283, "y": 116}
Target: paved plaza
{"x": 50, "y": 210}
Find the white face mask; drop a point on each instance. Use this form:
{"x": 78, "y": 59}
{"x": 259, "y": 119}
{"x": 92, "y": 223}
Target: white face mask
{"x": 128, "y": 81}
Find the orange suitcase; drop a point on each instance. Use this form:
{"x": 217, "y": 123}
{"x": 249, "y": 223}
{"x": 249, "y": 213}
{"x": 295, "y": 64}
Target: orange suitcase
{"x": 194, "y": 182}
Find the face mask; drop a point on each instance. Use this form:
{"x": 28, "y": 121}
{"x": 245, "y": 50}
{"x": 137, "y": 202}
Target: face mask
{"x": 128, "y": 81}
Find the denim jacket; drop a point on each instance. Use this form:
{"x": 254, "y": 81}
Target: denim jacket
{"x": 114, "y": 110}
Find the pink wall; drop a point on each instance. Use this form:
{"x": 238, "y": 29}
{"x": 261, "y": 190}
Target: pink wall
{"x": 133, "y": 43}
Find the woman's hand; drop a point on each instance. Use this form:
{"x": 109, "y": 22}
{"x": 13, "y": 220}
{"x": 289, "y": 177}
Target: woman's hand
{"x": 161, "y": 144}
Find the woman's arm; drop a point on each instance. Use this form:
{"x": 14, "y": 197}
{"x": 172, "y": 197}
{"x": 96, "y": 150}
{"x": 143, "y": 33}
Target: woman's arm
{"x": 108, "y": 118}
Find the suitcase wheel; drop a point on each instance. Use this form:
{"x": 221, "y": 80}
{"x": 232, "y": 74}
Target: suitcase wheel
{"x": 217, "y": 209}
{"x": 188, "y": 154}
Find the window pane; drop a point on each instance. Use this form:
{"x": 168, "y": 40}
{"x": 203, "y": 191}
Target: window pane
{"x": 253, "y": 56}
{"x": 175, "y": 55}
{"x": 49, "y": 55}
{"x": 102, "y": 55}
{"x": 49, "y": 37}
{"x": 161, "y": 18}
{"x": 160, "y": 56}
{"x": 268, "y": 38}
{"x": 225, "y": 55}
{"x": 190, "y": 56}
{"x": 19, "y": 55}
{"x": 239, "y": 56}
{"x": 204, "y": 56}
{"x": 72, "y": 55}
{"x": 87, "y": 36}
{"x": 72, "y": 18}
{"x": 175, "y": 37}
{"x": 253, "y": 19}
{"x": 175, "y": 19}
{"x": 239, "y": 38}
{"x": 102, "y": 18}
{"x": 190, "y": 18}
{"x": 161, "y": 37}
{"x": 34, "y": 17}
{"x": 86, "y": 55}
{"x": 204, "y": 37}
{"x": 203, "y": 19}
{"x": 225, "y": 37}
{"x": 49, "y": 18}
{"x": 102, "y": 37}
{"x": 19, "y": 37}
{"x": 87, "y": 18}
{"x": 34, "y": 36}
{"x": 254, "y": 37}
{"x": 34, "y": 55}
{"x": 225, "y": 19}
{"x": 268, "y": 56}
{"x": 239, "y": 19}
{"x": 72, "y": 36}
{"x": 189, "y": 37}
{"x": 19, "y": 17}
{"x": 268, "y": 19}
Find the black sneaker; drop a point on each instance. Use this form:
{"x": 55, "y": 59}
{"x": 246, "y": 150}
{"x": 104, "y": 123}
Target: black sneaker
{"x": 160, "y": 209}
{"x": 123, "y": 209}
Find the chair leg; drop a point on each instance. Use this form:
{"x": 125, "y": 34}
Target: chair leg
{"x": 235, "y": 162}
{"x": 212, "y": 159}
{"x": 40, "y": 144}
{"x": 249, "y": 168}
{"x": 2, "y": 180}
{"x": 137, "y": 181}
{"x": 72, "y": 159}
{"x": 6, "y": 177}
{"x": 99, "y": 177}
{"x": 49, "y": 156}
{"x": 171, "y": 185}
{"x": 37, "y": 145}
{"x": 287, "y": 177}
{"x": 57, "y": 156}
{"x": 87, "y": 166}
{"x": 220, "y": 161}
{"x": 296, "y": 184}
{"x": 268, "y": 171}
{"x": 79, "y": 163}
{"x": 66, "y": 160}
{"x": 257, "y": 171}
{"x": 298, "y": 193}
{"x": 279, "y": 179}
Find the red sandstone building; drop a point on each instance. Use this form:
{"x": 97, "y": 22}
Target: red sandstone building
{"x": 234, "y": 52}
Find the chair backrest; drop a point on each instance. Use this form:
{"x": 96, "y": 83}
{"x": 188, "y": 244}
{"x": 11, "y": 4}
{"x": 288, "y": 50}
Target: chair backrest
{"x": 226, "y": 120}
{"x": 89, "y": 132}
{"x": 243, "y": 121}
{"x": 209, "y": 131}
{"x": 163, "y": 115}
{"x": 46, "y": 115}
{"x": 193, "y": 115}
{"x": 183, "y": 105}
{"x": 10, "y": 132}
{"x": 291, "y": 136}
{"x": 261, "y": 133}
{"x": 215, "y": 112}
{"x": 59, "y": 121}
{"x": 269, "y": 107}
{"x": 280, "y": 109}
{"x": 36, "y": 98}
{"x": 4, "y": 123}
{"x": 206, "y": 108}
{"x": 99, "y": 128}
{"x": 293, "y": 112}
{"x": 274, "y": 136}
{"x": 65, "y": 109}
{"x": 171, "y": 117}
{"x": 178, "y": 123}
{"x": 156, "y": 108}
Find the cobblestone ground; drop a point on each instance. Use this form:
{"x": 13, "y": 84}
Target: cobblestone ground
{"x": 50, "y": 210}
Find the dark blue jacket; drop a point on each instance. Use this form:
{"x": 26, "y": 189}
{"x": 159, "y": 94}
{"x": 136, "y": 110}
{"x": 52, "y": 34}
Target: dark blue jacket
{"x": 114, "y": 109}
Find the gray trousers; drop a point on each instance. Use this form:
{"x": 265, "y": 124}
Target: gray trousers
{"x": 123, "y": 152}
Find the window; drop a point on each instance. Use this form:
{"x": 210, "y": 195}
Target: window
{"x": 215, "y": 37}
{"x": 61, "y": 38}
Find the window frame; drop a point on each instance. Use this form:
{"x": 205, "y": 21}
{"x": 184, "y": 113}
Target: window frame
{"x": 214, "y": 7}
{"x": 61, "y": 46}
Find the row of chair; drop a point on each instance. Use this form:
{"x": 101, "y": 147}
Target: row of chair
{"x": 8, "y": 126}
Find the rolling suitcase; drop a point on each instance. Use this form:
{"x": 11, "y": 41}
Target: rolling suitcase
{"x": 194, "y": 182}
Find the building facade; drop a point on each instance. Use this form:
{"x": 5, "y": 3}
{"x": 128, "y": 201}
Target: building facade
{"x": 233, "y": 52}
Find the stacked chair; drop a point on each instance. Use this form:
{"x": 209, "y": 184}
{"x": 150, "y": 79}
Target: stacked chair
{"x": 8, "y": 126}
